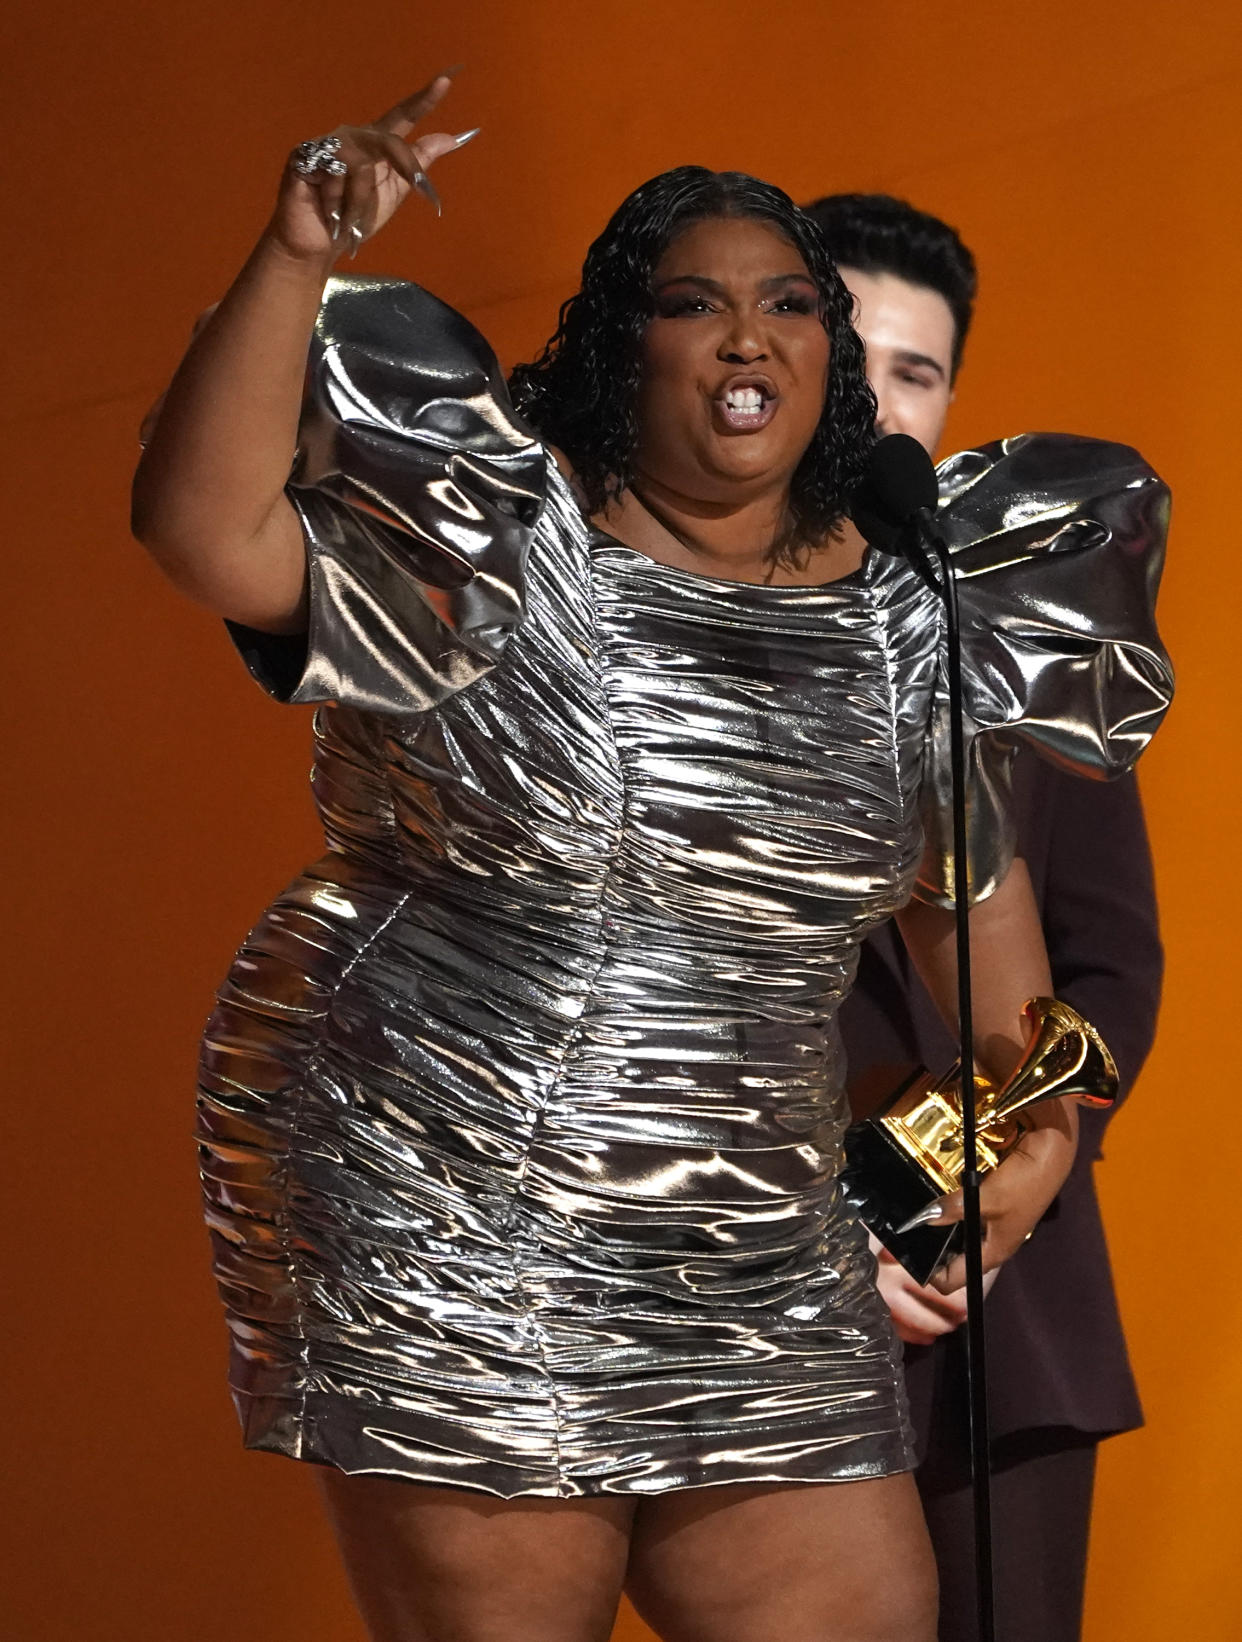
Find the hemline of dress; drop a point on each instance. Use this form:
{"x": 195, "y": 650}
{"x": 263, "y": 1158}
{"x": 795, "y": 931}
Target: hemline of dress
{"x": 331, "y": 1431}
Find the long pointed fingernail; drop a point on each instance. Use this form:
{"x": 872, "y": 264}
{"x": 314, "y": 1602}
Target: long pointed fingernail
{"x": 933, "y": 1211}
{"x": 426, "y": 188}
{"x": 334, "y": 217}
{"x": 355, "y": 233}
{"x": 466, "y": 137}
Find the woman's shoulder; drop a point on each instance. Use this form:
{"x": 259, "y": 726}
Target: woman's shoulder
{"x": 1057, "y": 543}
{"x": 382, "y": 344}
{"x": 374, "y": 311}
{"x": 1025, "y": 491}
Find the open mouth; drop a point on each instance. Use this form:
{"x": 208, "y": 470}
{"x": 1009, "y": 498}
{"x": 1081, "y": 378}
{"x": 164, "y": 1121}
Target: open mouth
{"x": 745, "y": 407}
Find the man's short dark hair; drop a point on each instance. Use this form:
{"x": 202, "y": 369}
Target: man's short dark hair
{"x": 878, "y": 234}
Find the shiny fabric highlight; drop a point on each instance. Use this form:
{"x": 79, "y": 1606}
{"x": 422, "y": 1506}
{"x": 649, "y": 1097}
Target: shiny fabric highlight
{"x": 521, "y": 1110}
{"x": 1058, "y": 545}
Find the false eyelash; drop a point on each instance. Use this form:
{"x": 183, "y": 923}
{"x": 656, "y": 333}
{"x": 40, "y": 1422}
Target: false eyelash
{"x": 676, "y": 306}
{"x": 798, "y": 304}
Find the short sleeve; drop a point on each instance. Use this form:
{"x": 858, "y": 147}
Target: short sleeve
{"x": 1057, "y": 544}
{"x": 418, "y": 491}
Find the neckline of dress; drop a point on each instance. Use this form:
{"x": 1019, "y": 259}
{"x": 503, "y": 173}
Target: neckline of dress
{"x": 852, "y": 580}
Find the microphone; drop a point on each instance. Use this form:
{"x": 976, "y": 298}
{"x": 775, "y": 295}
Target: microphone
{"x": 894, "y": 505}
{"x": 898, "y": 490}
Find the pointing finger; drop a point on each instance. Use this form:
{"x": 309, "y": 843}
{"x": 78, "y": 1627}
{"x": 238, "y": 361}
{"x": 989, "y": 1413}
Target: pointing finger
{"x": 402, "y": 117}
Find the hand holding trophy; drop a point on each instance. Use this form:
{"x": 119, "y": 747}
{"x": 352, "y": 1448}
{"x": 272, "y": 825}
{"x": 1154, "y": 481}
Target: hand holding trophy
{"x": 907, "y": 1156}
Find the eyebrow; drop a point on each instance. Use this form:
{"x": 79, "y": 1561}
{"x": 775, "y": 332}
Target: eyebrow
{"x": 717, "y": 289}
{"x": 906, "y": 356}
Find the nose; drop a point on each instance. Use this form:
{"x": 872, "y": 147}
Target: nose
{"x": 886, "y": 419}
{"x": 743, "y": 343}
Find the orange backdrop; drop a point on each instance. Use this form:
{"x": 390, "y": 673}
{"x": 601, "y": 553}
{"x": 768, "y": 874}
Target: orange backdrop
{"x": 1088, "y": 151}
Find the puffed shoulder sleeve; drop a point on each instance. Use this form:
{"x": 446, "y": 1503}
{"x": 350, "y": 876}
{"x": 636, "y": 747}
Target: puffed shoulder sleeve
{"x": 1057, "y": 544}
{"x": 418, "y": 491}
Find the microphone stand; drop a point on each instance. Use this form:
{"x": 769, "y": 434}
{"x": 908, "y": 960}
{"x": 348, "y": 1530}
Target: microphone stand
{"x": 929, "y": 538}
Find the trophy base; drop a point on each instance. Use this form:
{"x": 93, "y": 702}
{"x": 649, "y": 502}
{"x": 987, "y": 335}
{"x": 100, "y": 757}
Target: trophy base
{"x": 887, "y": 1188}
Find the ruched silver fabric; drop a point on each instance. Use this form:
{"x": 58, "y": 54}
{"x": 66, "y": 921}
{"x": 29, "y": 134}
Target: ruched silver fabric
{"x": 521, "y": 1110}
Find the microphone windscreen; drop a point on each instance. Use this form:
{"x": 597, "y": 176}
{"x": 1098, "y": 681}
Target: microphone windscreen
{"x": 899, "y": 482}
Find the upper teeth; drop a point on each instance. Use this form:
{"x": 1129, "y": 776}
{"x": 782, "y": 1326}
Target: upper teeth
{"x": 744, "y": 399}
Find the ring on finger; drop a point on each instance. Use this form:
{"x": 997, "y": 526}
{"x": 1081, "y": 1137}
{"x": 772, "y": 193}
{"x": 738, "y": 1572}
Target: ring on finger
{"x": 319, "y": 156}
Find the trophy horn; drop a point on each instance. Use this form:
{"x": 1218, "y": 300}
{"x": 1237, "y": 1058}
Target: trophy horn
{"x": 1065, "y": 1056}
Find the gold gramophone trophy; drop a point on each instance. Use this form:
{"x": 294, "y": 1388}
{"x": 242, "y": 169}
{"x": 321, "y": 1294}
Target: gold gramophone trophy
{"x": 910, "y": 1152}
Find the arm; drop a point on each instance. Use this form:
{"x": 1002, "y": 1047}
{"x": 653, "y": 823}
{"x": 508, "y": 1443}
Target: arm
{"x": 209, "y": 499}
{"x": 1009, "y": 966}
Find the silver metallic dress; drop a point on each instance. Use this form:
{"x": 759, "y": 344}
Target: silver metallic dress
{"x": 521, "y": 1109}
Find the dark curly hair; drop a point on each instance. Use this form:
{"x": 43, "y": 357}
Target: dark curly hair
{"x": 581, "y": 393}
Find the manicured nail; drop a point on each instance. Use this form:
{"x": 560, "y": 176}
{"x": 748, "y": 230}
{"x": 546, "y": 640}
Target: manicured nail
{"x": 334, "y": 217}
{"x": 925, "y": 1216}
{"x": 427, "y": 189}
{"x": 355, "y": 233}
{"x": 466, "y": 137}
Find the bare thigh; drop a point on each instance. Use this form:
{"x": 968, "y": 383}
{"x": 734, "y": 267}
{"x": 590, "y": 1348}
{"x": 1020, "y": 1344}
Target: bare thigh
{"x": 446, "y": 1565}
{"x": 823, "y": 1562}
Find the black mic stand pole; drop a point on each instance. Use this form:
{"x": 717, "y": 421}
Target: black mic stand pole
{"x": 976, "y": 1344}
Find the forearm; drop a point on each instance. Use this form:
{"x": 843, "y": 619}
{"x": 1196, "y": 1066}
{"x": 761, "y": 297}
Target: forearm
{"x": 209, "y": 499}
{"x": 1009, "y": 964}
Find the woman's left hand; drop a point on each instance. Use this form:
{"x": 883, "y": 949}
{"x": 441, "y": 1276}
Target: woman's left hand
{"x": 920, "y": 1313}
{"x": 1014, "y": 1197}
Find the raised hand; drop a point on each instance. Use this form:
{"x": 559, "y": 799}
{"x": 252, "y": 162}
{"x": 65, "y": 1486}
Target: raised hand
{"x": 363, "y": 174}
{"x": 209, "y": 497}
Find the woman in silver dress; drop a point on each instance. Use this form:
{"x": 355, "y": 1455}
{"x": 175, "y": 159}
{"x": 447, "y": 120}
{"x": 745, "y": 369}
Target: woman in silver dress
{"x": 521, "y": 1109}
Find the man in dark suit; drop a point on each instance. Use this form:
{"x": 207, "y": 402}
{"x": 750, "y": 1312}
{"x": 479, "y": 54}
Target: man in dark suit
{"x": 1058, "y": 1376}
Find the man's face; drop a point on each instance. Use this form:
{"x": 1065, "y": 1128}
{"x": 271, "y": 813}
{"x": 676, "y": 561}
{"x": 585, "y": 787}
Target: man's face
{"x": 908, "y": 332}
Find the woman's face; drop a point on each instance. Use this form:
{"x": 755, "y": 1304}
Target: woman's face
{"x": 734, "y": 363}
